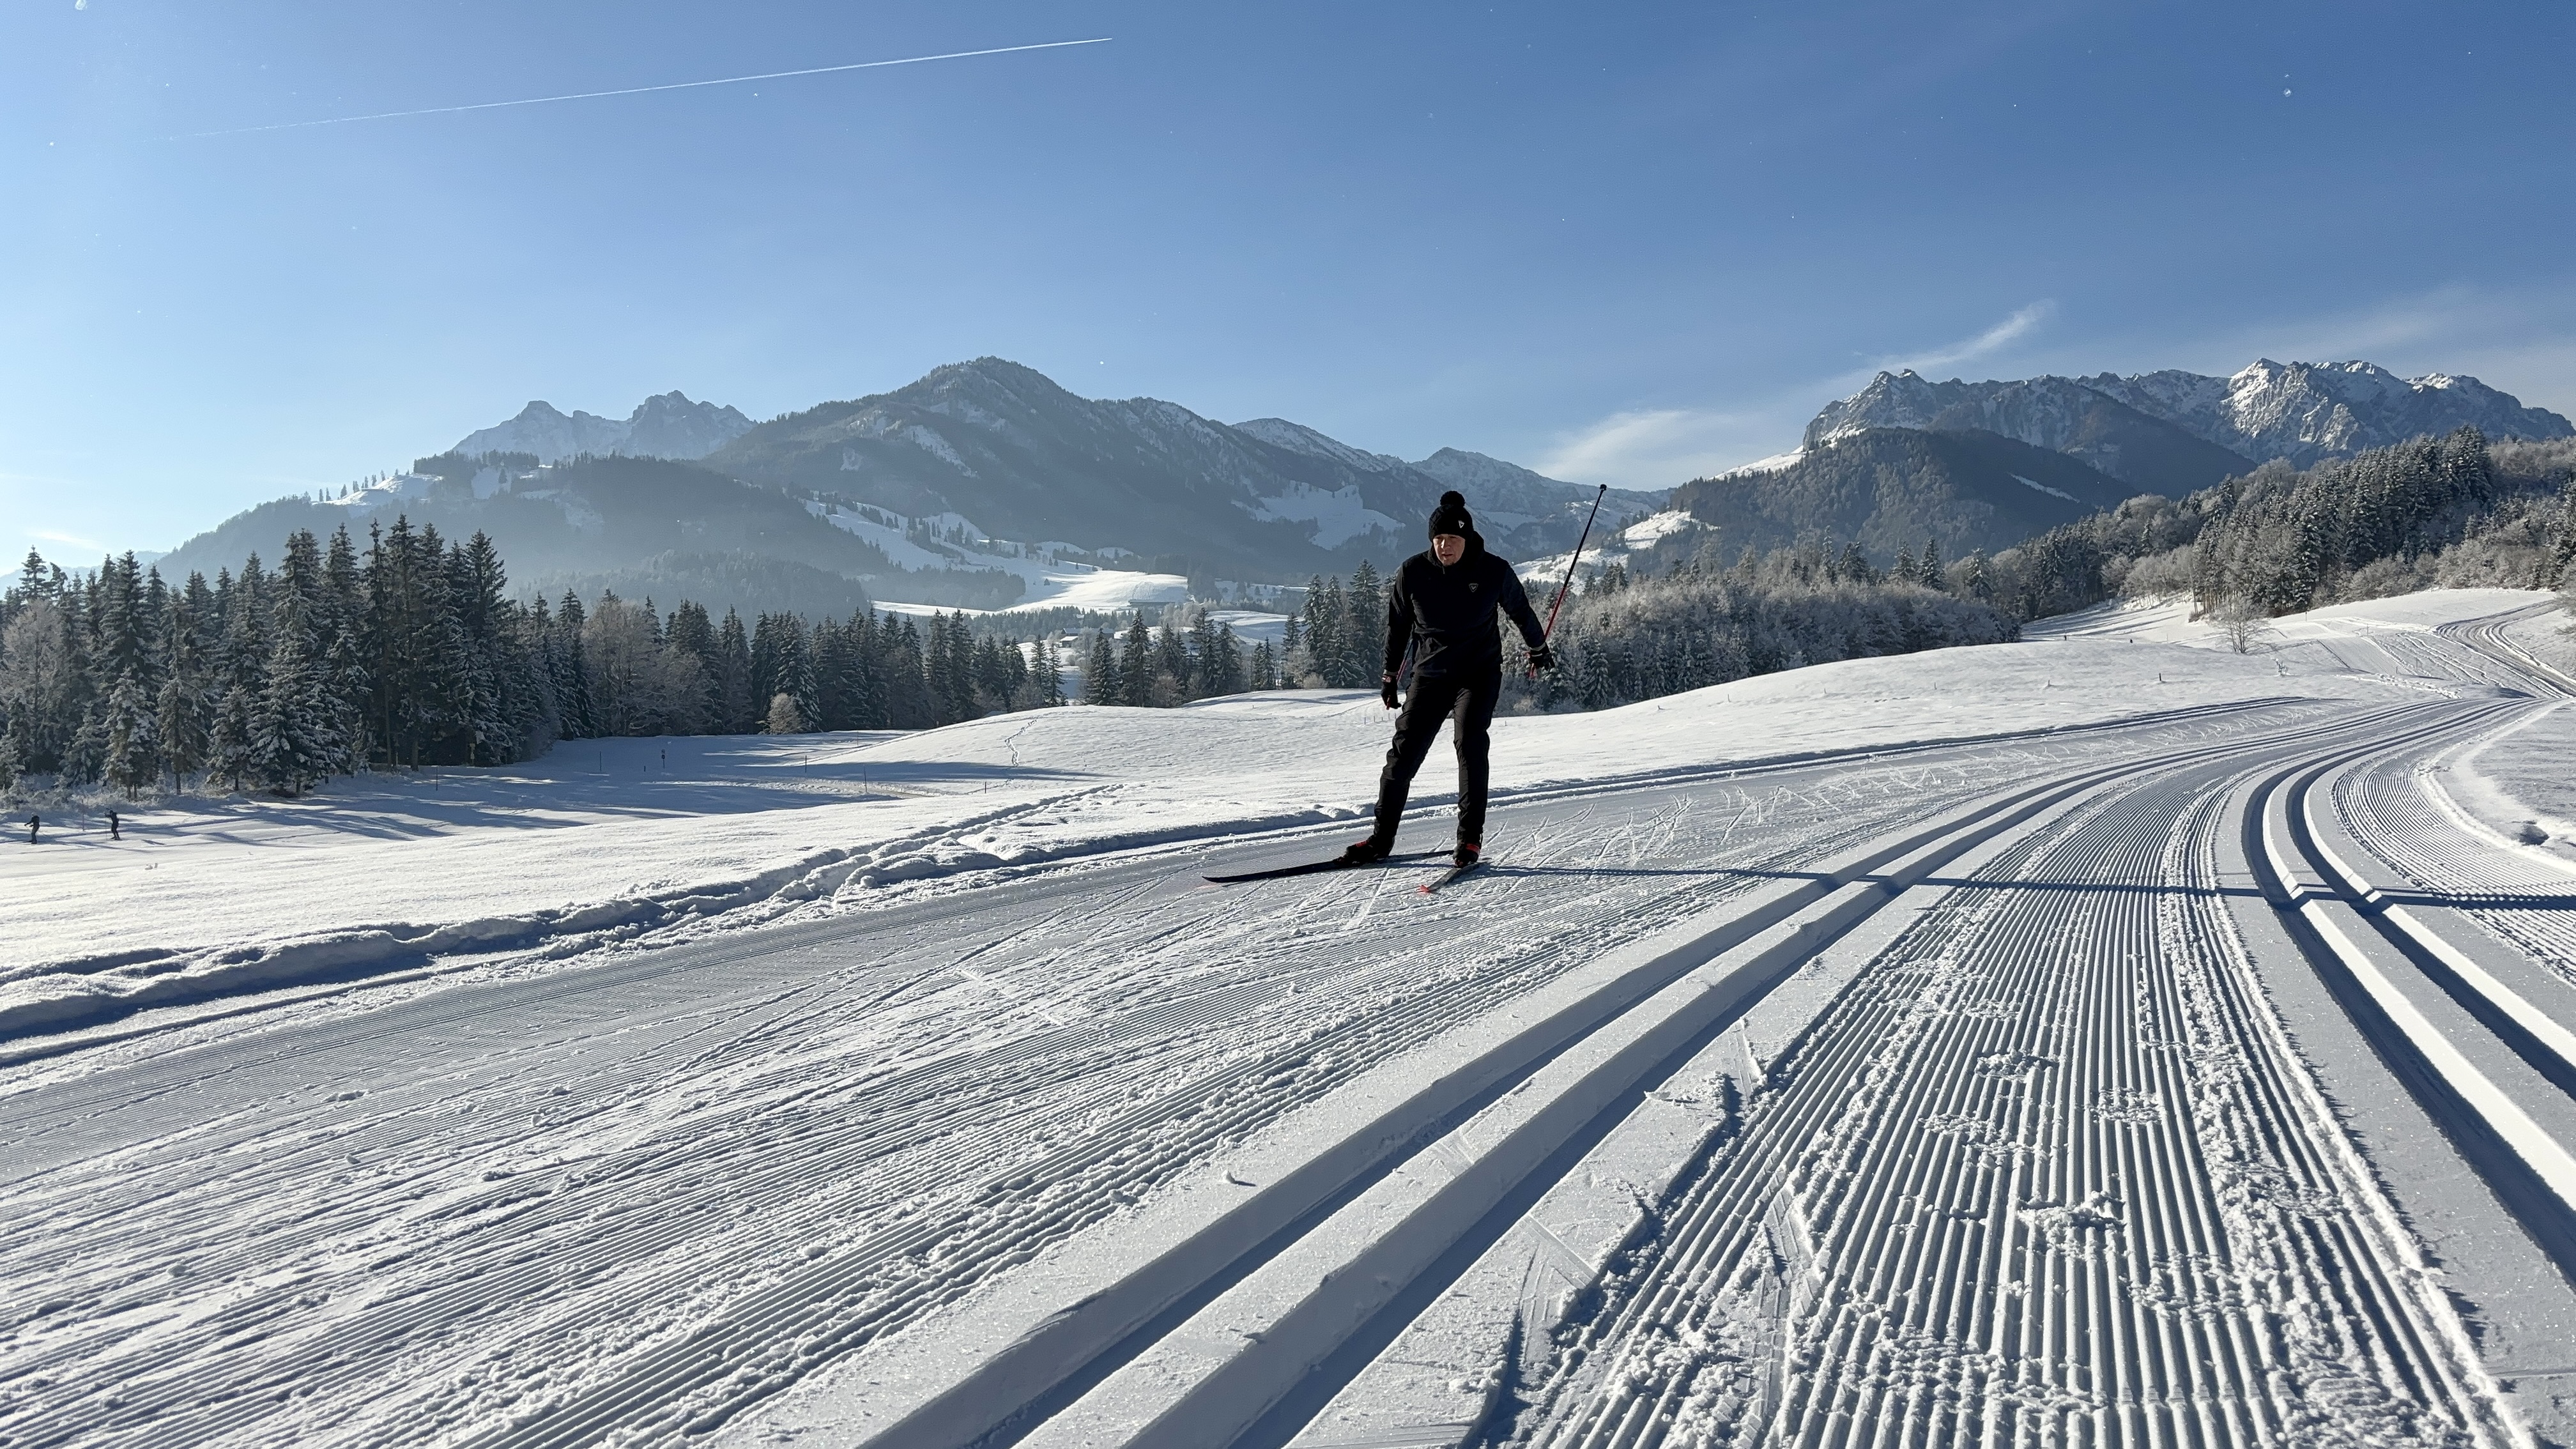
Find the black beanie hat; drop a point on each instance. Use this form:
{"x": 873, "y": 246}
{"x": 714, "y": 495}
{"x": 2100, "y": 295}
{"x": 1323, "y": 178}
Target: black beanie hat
{"x": 1452, "y": 516}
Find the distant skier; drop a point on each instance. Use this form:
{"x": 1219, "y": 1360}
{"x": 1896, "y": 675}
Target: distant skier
{"x": 34, "y": 822}
{"x": 113, "y": 833}
{"x": 1441, "y": 603}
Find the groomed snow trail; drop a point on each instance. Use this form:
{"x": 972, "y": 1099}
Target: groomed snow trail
{"x": 2032, "y": 1147}
{"x": 631, "y": 1198}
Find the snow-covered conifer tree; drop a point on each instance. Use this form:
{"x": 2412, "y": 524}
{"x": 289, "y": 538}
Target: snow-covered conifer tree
{"x": 228, "y": 754}
{"x": 132, "y": 762}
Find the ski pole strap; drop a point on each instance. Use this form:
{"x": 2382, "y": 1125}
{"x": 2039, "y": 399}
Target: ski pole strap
{"x": 1545, "y": 634}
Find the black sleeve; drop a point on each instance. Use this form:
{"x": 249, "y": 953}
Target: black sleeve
{"x": 1515, "y": 602}
{"x": 1399, "y": 617}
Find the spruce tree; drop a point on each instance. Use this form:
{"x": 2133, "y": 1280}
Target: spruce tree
{"x": 131, "y": 762}
{"x": 570, "y": 663}
{"x": 729, "y": 678}
{"x": 1173, "y": 666}
{"x": 228, "y": 755}
{"x": 1225, "y": 673}
{"x": 181, "y": 720}
{"x": 1365, "y": 626}
{"x": 1100, "y": 672}
{"x": 1050, "y": 675}
{"x": 1136, "y": 664}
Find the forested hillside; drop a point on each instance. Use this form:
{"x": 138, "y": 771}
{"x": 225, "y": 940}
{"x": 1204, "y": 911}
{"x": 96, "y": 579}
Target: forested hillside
{"x": 635, "y": 525}
{"x": 2454, "y": 511}
{"x": 1892, "y": 488}
{"x": 411, "y": 651}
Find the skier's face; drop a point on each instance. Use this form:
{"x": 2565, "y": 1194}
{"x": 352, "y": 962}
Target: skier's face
{"x": 1448, "y": 548}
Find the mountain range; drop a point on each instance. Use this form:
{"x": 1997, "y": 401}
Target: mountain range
{"x": 1906, "y": 458}
{"x": 2300, "y": 412}
{"x": 970, "y": 484}
{"x": 1002, "y": 445}
{"x": 962, "y": 488}
{"x": 666, "y": 426}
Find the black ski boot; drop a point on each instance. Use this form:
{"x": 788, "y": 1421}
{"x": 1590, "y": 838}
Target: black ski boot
{"x": 1367, "y": 852}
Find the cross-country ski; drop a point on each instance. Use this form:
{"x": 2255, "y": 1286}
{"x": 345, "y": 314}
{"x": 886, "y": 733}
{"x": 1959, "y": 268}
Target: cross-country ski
{"x": 1317, "y": 867}
{"x": 1451, "y": 876}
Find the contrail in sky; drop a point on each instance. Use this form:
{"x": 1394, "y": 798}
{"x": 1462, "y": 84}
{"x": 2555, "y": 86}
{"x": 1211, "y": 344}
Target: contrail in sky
{"x": 731, "y": 80}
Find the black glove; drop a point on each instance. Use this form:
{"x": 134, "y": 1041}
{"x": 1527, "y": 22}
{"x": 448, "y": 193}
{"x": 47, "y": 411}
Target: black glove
{"x": 1386, "y": 689}
{"x": 1542, "y": 657}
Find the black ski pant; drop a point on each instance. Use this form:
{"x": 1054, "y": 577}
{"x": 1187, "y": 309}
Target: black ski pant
{"x": 1467, "y": 702}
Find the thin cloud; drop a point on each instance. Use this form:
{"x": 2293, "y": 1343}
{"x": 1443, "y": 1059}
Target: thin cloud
{"x": 731, "y": 80}
{"x": 1656, "y": 448}
{"x": 50, "y": 536}
{"x": 1994, "y": 339}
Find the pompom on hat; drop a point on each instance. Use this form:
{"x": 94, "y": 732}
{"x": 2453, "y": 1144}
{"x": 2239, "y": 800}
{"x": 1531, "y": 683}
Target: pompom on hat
{"x": 1452, "y": 516}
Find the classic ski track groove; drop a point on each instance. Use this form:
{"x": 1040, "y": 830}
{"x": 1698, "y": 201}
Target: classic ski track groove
{"x": 2009, "y": 1322}
{"x": 1687, "y": 1347}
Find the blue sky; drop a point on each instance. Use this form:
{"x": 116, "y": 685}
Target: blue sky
{"x": 1620, "y": 243}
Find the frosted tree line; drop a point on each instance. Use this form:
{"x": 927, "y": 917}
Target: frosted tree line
{"x": 1189, "y": 656}
{"x": 1631, "y": 636}
{"x": 1694, "y": 622}
{"x": 410, "y": 651}
{"x": 2450, "y": 512}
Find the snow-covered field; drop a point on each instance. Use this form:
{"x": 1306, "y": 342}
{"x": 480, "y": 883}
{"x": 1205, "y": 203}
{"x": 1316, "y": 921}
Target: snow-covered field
{"x": 1608, "y": 546}
{"x": 605, "y": 838}
{"x": 1052, "y": 582}
{"x": 2106, "y": 1038}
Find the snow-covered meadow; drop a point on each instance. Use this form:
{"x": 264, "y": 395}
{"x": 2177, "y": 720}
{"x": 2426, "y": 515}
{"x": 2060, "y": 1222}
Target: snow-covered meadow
{"x": 604, "y": 841}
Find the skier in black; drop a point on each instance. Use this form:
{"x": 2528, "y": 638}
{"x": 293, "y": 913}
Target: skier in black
{"x": 1441, "y": 603}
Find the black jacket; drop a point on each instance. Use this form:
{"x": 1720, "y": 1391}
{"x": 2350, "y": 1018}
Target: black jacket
{"x": 1447, "y": 614}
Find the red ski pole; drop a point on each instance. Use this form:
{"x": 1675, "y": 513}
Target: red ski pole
{"x": 1545, "y": 634}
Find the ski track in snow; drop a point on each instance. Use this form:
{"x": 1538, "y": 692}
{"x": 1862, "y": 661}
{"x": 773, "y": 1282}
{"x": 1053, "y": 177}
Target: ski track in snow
{"x": 797, "y": 1141}
{"x": 2051, "y": 1166}
{"x": 2042, "y": 1175}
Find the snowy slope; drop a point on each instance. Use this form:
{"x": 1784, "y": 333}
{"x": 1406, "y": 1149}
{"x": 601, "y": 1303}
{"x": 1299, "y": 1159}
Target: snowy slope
{"x": 1053, "y": 581}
